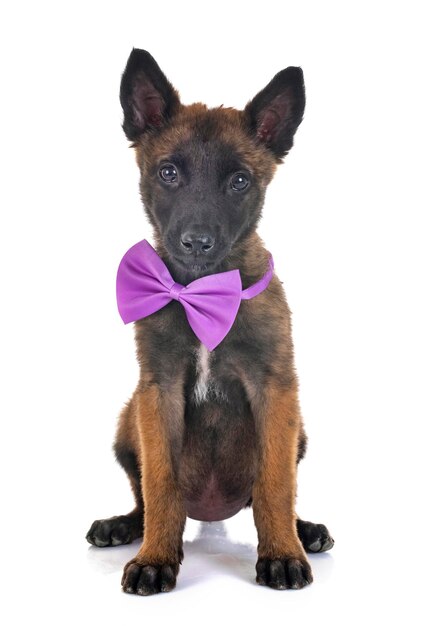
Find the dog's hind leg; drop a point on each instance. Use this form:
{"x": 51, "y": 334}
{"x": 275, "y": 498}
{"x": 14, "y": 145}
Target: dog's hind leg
{"x": 122, "y": 529}
{"x": 314, "y": 537}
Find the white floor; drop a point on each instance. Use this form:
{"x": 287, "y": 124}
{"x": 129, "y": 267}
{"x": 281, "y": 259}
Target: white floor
{"x": 355, "y": 583}
{"x": 358, "y": 582}
{"x": 217, "y": 577}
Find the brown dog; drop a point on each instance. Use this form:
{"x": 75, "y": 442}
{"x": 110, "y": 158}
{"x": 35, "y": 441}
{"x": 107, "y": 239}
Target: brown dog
{"x": 208, "y": 433}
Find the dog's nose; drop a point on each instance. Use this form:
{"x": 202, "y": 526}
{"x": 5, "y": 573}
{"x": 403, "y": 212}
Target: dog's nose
{"x": 192, "y": 242}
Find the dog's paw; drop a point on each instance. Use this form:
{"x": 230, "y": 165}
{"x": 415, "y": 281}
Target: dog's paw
{"x": 314, "y": 537}
{"x": 284, "y": 573}
{"x": 115, "y": 531}
{"x": 145, "y": 579}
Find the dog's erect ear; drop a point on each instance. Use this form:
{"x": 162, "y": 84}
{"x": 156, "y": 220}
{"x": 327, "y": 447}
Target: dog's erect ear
{"x": 276, "y": 111}
{"x": 147, "y": 98}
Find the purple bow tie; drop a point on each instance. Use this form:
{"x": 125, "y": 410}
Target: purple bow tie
{"x": 211, "y": 303}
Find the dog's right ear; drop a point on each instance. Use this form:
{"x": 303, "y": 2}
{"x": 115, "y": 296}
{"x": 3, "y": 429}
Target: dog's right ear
{"x": 276, "y": 112}
{"x": 147, "y": 97}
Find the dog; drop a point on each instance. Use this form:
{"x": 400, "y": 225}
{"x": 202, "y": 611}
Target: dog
{"x": 208, "y": 433}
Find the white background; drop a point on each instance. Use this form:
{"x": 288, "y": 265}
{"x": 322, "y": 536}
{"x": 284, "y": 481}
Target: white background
{"x": 350, "y": 220}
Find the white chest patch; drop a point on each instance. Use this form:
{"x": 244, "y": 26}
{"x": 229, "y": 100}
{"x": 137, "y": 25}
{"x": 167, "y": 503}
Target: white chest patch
{"x": 206, "y": 386}
{"x": 203, "y": 380}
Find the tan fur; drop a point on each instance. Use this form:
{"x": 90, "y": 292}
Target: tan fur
{"x": 275, "y": 487}
{"x": 164, "y": 511}
{"x": 229, "y": 126}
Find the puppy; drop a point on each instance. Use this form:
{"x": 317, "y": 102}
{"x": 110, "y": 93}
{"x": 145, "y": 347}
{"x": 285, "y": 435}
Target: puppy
{"x": 208, "y": 432}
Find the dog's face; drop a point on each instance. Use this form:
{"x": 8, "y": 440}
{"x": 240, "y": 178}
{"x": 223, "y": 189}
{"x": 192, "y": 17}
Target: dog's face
{"x": 204, "y": 172}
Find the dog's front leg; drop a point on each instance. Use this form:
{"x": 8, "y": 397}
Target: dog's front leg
{"x": 156, "y": 565}
{"x": 282, "y": 563}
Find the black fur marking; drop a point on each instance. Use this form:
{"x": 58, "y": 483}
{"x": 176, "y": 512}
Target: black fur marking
{"x": 202, "y": 202}
{"x": 302, "y": 446}
{"x": 127, "y": 459}
{"x": 314, "y": 537}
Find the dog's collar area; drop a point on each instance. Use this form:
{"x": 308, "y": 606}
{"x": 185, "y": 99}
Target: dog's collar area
{"x": 211, "y": 303}
{"x": 260, "y": 285}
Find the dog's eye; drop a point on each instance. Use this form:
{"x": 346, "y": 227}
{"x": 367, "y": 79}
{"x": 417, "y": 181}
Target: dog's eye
{"x": 239, "y": 182}
{"x": 168, "y": 173}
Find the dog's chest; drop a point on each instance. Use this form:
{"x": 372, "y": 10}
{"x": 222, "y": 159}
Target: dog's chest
{"x": 217, "y": 420}
{"x": 206, "y": 385}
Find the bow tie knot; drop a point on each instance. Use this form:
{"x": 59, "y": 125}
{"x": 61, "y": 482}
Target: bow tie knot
{"x": 175, "y": 291}
{"x": 211, "y": 303}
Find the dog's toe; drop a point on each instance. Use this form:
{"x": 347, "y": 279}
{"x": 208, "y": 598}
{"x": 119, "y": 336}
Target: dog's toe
{"x": 284, "y": 573}
{"x": 146, "y": 580}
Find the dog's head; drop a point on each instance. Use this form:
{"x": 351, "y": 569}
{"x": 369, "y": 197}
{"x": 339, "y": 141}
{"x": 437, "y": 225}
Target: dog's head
{"x": 204, "y": 171}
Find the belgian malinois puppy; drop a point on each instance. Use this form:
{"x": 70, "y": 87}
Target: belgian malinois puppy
{"x": 208, "y": 433}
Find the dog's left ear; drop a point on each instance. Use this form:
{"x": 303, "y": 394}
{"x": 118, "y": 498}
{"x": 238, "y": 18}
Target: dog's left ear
{"x": 276, "y": 112}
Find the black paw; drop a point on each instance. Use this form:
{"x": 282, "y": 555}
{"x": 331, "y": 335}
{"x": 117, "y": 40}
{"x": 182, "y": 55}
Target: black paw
{"x": 146, "y": 580}
{"x": 286, "y": 573}
{"x": 115, "y": 531}
{"x": 314, "y": 537}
